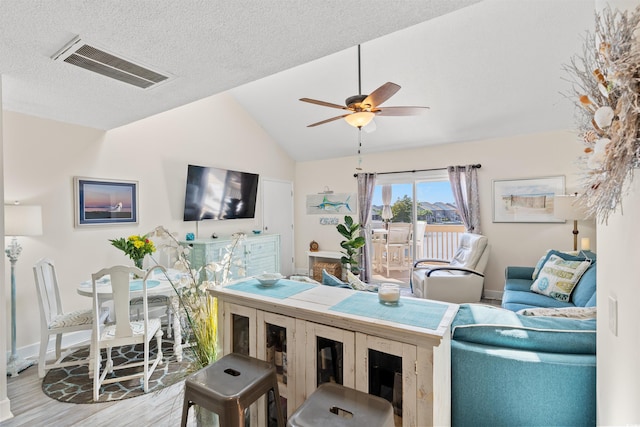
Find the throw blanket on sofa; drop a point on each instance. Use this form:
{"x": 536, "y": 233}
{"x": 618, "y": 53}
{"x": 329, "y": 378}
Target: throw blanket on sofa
{"x": 488, "y": 325}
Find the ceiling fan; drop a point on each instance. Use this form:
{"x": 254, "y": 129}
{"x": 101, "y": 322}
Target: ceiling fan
{"x": 363, "y": 108}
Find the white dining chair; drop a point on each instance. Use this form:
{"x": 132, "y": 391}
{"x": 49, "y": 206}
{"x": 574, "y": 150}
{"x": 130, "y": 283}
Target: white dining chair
{"x": 397, "y": 246}
{"x": 159, "y": 302}
{"x": 55, "y": 321}
{"x": 123, "y": 331}
{"x": 165, "y": 256}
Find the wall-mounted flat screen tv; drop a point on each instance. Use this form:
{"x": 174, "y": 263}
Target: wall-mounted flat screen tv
{"x": 214, "y": 193}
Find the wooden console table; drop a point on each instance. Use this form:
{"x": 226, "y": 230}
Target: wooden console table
{"x": 349, "y": 332}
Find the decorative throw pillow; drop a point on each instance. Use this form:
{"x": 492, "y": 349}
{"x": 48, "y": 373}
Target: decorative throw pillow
{"x": 539, "y": 265}
{"x": 355, "y": 281}
{"x": 558, "y": 277}
{"x": 359, "y": 285}
{"x": 330, "y": 280}
{"x": 567, "y": 255}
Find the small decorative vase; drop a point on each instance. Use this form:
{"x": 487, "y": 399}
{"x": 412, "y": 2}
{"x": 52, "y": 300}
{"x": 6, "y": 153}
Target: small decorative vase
{"x": 138, "y": 263}
{"x": 205, "y": 418}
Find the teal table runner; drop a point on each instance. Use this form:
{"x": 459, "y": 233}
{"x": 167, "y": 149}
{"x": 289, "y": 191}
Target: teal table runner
{"x": 284, "y": 288}
{"x": 136, "y": 285}
{"x": 409, "y": 311}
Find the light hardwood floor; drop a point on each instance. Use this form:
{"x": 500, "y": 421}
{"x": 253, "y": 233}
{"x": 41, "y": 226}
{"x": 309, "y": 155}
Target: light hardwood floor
{"x": 31, "y": 407}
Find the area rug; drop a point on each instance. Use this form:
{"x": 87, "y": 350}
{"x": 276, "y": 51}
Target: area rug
{"x": 73, "y": 385}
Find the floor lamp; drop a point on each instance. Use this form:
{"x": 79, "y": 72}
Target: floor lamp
{"x": 18, "y": 221}
{"x": 566, "y": 207}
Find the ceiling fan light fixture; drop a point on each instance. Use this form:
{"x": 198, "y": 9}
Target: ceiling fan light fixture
{"x": 360, "y": 119}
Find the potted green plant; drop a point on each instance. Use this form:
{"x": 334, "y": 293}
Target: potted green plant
{"x": 351, "y": 232}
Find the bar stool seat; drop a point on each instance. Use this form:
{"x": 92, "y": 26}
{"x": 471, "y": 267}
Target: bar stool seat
{"x": 229, "y": 386}
{"x": 337, "y": 406}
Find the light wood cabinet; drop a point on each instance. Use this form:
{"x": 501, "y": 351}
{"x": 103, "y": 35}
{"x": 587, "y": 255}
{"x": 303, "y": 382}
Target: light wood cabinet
{"x": 329, "y": 354}
{"x": 407, "y": 365}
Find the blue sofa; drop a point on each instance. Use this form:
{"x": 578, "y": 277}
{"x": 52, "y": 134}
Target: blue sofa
{"x": 517, "y": 293}
{"x": 509, "y": 369}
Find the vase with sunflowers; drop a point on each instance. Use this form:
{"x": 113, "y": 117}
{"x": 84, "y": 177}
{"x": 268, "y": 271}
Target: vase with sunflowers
{"x": 135, "y": 247}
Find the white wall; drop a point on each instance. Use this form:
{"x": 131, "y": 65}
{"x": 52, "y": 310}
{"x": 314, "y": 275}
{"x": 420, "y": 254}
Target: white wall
{"x": 43, "y": 156}
{"x": 5, "y": 407}
{"x": 618, "y": 366}
{"x": 525, "y": 156}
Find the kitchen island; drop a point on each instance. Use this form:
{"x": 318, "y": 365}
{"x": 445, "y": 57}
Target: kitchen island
{"x": 333, "y": 334}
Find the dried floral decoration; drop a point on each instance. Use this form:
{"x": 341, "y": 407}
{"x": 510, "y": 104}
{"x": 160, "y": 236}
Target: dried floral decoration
{"x": 198, "y": 308}
{"x": 606, "y": 89}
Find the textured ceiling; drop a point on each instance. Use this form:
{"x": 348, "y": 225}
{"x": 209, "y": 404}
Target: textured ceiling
{"x": 210, "y": 46}
{"x": 486, "y": 69}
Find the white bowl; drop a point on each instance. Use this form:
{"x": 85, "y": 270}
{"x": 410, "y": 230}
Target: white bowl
{"x": 269, "y": 279}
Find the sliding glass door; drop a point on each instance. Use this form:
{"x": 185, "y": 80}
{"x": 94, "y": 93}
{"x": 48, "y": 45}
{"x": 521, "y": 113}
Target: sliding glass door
{"x": 414, "y": 216}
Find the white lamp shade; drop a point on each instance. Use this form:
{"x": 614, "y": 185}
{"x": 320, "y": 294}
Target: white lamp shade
{"x": 360, "y": 119}
{"x": 22, "y": 220}
{"x": 567, "y": 207}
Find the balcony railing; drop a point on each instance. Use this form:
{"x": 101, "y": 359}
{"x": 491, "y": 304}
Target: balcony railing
{"x": 440, "y": 241}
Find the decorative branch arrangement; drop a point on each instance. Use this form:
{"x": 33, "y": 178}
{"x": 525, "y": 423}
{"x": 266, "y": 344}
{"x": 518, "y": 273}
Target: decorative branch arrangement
{"x": 606, "y": 88}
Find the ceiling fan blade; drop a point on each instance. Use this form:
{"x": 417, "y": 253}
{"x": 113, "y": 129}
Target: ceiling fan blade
{"x": 381, "y": 94}
{"x": 323, "y": 103}
{"x": 401, "y": 111}
{"x": 327, "y": 120}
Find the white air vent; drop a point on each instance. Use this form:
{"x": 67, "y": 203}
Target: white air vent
{"x": 98, "y": 60}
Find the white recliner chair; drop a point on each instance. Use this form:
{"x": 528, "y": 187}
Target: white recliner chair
{"x": 459, "y": 280}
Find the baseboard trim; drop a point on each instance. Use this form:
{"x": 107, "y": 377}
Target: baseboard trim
{"x": 5, "y": 409}
{"x": 497, "y": 295}
{"x": 70, "y": 339}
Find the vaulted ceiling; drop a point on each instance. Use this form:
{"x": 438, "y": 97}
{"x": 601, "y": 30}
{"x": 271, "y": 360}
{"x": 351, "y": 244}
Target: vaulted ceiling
{"x": 486, "y": 69}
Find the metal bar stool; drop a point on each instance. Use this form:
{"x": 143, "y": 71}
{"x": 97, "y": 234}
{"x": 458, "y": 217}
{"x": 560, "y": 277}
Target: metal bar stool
{"x": 229, "y": 386}
{"x": 337, "y": 406}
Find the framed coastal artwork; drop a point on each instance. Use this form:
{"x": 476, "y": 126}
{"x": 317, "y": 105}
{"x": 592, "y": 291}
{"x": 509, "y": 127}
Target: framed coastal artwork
{"x": 526, "y": 200}
{"x": 105, "y": 201}
{"x": 323, "y": 204}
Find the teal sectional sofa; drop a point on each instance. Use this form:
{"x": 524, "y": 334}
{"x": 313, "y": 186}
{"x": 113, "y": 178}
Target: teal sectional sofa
{"x": 508, "y": 369}
{"x": 512, "y": 369}
{"x": 517, "y": 294}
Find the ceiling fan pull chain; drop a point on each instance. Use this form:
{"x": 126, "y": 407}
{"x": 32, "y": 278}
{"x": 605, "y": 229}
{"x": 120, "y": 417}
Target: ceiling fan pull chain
{"x": 359, "y": 167}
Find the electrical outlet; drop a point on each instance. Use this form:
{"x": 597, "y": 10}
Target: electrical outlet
{"x": 613, "y": 315}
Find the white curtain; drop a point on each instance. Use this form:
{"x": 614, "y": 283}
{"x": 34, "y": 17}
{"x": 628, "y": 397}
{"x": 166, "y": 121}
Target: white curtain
{"x": 464, "y": 185}
{"x": 366, "y": 185}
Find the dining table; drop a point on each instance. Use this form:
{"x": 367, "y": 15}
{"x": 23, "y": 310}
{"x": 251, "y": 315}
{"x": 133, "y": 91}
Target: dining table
{"x": 158, "y": 284}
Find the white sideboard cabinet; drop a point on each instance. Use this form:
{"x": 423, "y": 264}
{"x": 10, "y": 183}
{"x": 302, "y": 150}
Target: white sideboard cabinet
{"x": 258, "y": 253}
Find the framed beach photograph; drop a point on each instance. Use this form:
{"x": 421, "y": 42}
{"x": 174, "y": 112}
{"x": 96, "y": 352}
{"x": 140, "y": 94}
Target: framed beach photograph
{"x": 526, "y": 200}
{"x": 105, "y": 201}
